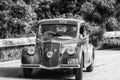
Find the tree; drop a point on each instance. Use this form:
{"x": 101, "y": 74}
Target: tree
{"x": 87, "y": 10}
{"x": 20, "y": 17}
{"x": 106, "y": 8}
{"x": 112, "y": 24}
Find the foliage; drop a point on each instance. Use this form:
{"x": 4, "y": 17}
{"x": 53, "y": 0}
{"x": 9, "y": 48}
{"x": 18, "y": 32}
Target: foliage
{"x": 10, "y": 54}
{"x": 5, "y": 4}
{"x": 87, "y": 8}
{"x": 96, "y": 35}
{"x": 18, "y": 11}
{"x": 110, "y": 43}
{"x": 112, "y": 24}
{"x": 15, "y": 16}
{"x": 19, "y": 18}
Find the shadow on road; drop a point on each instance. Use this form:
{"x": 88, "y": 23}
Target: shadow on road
{"x": 16, "y": 73}
{"x": 11, "y": 72}
{"x": 43, "y": 74}
{"x": 114, "y": 49}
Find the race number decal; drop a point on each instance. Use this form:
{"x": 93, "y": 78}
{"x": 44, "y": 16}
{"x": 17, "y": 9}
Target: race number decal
{"x": 63, "y": 21}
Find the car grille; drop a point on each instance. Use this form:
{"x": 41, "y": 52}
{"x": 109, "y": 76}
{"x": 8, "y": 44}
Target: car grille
{"x": 53, "y": 61}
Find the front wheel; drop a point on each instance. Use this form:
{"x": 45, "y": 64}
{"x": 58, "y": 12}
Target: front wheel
{"x": 78, "y": 71}
{"x": 27, "y": 72}
{"x": 91, "y": 67}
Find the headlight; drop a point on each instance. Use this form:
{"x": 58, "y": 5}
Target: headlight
{"x": 31, "y": 50}
{"x": 71, "y": 50}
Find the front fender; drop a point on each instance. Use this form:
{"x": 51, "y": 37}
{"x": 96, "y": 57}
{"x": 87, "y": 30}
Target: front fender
{"x": 79, "y": 52}
{"x": 29, "y": 59}
{"x": 91, "y": 52}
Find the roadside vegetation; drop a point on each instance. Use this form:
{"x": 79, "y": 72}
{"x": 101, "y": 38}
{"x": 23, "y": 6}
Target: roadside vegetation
{"x": 19, "y": 18}
{"x": 8, "y": 54}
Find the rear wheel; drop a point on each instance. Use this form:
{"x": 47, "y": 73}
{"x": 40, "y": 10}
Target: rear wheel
{"x": 27, "y": 72}
{"x": 78, "y": 71}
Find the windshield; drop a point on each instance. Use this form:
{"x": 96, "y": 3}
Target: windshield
{"x": 59, "y": 30}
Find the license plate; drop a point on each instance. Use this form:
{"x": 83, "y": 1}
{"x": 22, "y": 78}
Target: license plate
{"x": 73, "y": 61}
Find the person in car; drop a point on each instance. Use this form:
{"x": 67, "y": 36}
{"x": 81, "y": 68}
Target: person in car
{"x": 61, "y": 29}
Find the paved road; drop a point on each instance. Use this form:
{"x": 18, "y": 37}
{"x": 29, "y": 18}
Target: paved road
{"x": 107, "y": 67}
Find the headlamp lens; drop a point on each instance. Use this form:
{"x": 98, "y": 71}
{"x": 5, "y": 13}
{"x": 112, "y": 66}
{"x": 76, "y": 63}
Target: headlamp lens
{"x": 31, "y": 50}
{"x": 71, "y": 50}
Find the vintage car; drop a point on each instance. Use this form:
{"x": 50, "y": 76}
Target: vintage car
{"x": 60, "y": 44}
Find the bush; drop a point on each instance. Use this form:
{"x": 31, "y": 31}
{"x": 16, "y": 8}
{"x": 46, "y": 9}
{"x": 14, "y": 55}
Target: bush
{"x": 18, "y": 11}
{"x": 10, "y": 54}
{"x": 110, "y": 43}
{"x": 95, "y": 33}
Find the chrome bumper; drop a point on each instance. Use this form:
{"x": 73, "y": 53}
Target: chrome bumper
{"x": 44, "y": 67}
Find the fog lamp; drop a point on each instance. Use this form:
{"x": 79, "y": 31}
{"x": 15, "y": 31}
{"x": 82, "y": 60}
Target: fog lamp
{"x": 49, "y": 54}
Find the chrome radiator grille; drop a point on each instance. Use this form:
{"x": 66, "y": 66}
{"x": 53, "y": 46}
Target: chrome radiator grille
{"x": 50, "y": 47}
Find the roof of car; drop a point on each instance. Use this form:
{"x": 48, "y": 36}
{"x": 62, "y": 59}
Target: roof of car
{"x": 61, "y": 21}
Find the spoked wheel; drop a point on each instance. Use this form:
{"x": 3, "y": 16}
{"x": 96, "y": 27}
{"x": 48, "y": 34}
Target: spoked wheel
{"x": 27, "y": 72}
{"x": 78, "y": 71}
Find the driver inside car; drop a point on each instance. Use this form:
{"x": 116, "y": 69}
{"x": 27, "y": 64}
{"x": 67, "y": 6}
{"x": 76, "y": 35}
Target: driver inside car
{"x": 61, "y": 29}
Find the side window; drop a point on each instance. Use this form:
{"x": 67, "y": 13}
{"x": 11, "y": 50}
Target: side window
{"x": 82, "y": 29}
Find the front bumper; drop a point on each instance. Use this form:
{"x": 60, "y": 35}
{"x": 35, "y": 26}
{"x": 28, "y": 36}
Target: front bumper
{"x": 44, "y": 67}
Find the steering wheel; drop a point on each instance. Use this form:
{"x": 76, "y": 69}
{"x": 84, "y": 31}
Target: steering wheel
{"x": 49, "y": 33}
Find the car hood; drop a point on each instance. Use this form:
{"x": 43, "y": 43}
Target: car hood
{"x": 60, "y": 39}
{"x": 64, "y": 40}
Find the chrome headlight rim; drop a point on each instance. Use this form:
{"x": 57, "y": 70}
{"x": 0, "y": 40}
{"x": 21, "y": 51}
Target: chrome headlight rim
{"x": 31, "y": 50}
{"x": 71, "y": 50}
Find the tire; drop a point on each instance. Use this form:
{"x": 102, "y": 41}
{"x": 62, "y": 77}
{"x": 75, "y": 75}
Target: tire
{"x": 91, "y": 67}
{"x": 27, "y": 72}
{"x": 78, "y": 71}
